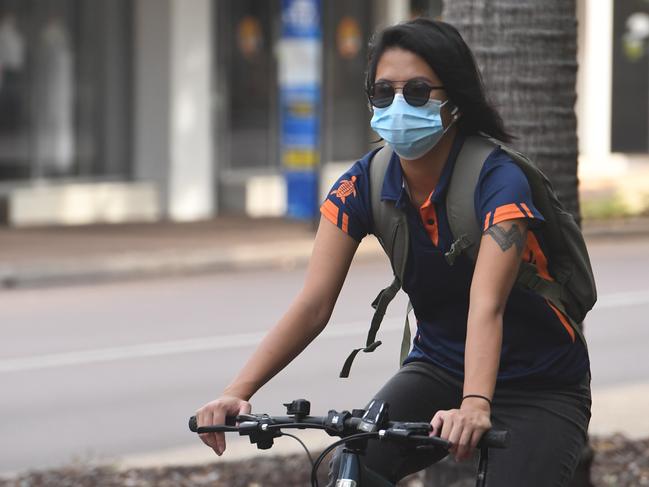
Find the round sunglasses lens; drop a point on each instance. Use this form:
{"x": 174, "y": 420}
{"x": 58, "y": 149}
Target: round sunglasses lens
{"x": 382, "y": 95}
{"x": 416, "y": 93}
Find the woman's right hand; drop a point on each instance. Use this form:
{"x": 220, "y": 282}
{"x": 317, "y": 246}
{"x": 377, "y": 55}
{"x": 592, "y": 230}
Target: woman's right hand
{"x": 214, "y": 413}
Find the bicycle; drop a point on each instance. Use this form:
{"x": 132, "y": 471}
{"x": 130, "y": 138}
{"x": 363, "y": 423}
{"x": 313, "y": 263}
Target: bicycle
{"x": 355, "y": 429}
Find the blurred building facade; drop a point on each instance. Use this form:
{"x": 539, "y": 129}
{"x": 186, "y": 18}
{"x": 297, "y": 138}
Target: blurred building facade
{"x": 140, "y": 110}
{"x": 613, "y": 100}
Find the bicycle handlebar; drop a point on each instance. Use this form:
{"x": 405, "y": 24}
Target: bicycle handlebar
{"x": 494, "y": 438}
{"x": 354, "y": 429}
{"x": 391, "y": 430}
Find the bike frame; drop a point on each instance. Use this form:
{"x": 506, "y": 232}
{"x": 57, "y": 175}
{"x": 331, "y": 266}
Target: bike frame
{"x": 351, "y": 472}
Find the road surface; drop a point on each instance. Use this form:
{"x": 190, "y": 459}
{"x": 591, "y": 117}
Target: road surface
{"x": 113, "y": 371}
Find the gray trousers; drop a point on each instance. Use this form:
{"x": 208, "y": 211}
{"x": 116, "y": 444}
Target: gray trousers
{"x": 547, "y": 425}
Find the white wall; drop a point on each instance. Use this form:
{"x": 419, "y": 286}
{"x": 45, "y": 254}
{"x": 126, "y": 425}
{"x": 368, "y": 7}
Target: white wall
{"x": 173, "y": 121}
{"x": 191, "y": 184}
{"x": 594, "y": 85}
{"x": 151, "y": 95}
{"x": 388, "y": 12}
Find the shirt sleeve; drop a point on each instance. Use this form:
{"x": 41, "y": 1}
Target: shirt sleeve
{"x": 347, "y": 202}
{"x": 503, "y": 193}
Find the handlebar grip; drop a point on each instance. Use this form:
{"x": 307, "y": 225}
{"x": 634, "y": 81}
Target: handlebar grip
{"x": 494, "y": 439}
{"x": 193, "y": 424}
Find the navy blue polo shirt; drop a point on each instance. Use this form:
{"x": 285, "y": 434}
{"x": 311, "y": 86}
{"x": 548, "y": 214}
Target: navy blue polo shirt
{"x": 539, "y": 346}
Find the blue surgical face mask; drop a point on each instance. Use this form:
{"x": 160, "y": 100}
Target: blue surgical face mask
{"x": 410, "y": 131}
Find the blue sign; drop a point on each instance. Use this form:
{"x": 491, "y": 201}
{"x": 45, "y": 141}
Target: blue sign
{"x": 300, "y": 121}
{"x": 300, "y": 87}
{"x": 301, "y": 19}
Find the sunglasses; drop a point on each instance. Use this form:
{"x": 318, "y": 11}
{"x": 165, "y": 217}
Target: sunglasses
{"x": 415, "y": 91}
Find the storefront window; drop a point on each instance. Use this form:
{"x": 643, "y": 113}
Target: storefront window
{"x": 630, "y": 97}
{"x": 64, "y": 88}
{"x": 346, "y": 113}
{"x": 246, "y": 72}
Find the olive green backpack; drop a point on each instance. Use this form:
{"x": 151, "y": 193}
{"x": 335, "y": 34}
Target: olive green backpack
{"x": 573, "y": 289}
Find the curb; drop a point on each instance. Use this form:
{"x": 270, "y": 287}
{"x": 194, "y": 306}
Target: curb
{"x": 630, "y": 227}
{"x": 166, "y": 262}
{"x": 135, "y": 265}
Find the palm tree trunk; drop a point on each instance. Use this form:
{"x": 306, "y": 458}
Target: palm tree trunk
{"x": 527, "y": 52}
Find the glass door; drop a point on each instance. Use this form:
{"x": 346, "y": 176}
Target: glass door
{"x": 347, "y": 28}
{"x": 246, "y": 76}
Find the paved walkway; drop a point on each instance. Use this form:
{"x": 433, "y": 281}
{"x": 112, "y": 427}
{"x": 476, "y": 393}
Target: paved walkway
{"x": 64, "y": 255}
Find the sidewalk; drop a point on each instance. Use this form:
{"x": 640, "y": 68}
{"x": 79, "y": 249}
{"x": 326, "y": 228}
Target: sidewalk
{"x": 68, "y": 255}
{"x": 63, "y": 255}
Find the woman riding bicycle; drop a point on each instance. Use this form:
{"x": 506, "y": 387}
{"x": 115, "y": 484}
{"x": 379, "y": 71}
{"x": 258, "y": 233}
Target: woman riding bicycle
{"x": 485, "y": 352}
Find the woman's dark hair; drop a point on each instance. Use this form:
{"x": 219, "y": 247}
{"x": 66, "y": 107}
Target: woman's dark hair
{"x": 442, "y": 47}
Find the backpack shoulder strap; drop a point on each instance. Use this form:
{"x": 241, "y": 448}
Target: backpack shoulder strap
{"x": 391, "y": 229}
{"x": 460, "y": 206}
{"x": 389, "y": 223}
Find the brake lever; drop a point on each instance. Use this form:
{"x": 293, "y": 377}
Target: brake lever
{"x": 241, "y": 418}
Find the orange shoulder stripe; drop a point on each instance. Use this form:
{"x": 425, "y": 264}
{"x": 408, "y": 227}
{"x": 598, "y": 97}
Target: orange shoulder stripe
{"x": 345, "y": 225}
{"x": 486, "y": 222}
{"x": 330, "y": 211}
{"x": 508, "y": 212}
{"x": 527, "y": 210}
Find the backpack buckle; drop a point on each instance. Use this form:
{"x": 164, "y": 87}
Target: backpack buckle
{"x": 457, "y": 247}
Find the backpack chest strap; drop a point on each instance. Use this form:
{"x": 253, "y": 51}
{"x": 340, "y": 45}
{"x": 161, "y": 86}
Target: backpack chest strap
{"x": 529, "y": 278}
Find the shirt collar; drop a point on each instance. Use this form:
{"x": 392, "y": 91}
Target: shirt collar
{"x": 394, "y": 185}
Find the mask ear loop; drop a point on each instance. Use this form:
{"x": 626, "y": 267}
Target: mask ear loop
{"x": 455, "y": 115}
{"x": 454, "y": 112}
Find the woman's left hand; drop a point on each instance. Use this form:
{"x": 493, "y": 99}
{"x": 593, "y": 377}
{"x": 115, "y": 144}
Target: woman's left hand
{"x": 463, "y": 427}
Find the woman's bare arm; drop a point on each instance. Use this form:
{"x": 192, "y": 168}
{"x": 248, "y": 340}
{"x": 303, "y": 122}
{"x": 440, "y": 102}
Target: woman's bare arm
{"x": 495, "y": 273}
{"x": 307, "y": 316}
